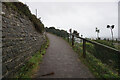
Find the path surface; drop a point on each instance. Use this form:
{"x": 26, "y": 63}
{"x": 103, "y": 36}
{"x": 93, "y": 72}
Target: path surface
{"x": 60, "y": 61}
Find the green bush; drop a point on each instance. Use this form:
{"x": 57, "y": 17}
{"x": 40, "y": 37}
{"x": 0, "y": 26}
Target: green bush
{"x": 58, "y": 32}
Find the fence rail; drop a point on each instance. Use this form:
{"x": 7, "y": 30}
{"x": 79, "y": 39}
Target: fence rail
{"x": 117, "y": 52}
{"x": 99, "y": 44}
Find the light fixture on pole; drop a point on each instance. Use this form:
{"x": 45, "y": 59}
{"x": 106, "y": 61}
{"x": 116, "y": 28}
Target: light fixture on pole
{"x": 111, "y": 28}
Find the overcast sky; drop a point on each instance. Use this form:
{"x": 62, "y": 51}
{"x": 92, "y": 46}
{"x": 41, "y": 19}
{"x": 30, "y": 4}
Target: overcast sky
{"x": 81, "y": 16}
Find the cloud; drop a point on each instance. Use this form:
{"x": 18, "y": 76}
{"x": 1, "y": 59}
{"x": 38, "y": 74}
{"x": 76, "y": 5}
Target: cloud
{"x": 81, "y": 16}
{"x": 69, "y": 0}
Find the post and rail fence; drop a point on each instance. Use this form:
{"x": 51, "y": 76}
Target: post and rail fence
{"x": 84, "y": 41}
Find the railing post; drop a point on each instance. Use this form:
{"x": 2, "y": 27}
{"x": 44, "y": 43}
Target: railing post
{"x": 72, "y": 40}
{"x": 84, "y": 48}
{"x": 68, "y": 39}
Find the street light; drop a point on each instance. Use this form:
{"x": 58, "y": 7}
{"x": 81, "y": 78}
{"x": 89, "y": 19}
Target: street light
{"x": 98, "y": 31}
{"x": 111, "y": 28}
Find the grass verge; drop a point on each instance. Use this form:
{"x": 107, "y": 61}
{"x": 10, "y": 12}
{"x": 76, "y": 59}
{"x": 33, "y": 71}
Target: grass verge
{"x": 98, "y": 69}
{"x": 31, "y": 66}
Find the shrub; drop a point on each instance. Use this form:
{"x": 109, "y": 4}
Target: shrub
{"x": 58, "y": 32}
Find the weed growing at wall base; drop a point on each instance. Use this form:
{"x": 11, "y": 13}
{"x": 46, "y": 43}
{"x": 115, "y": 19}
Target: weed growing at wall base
{"x": 31, "y": 66}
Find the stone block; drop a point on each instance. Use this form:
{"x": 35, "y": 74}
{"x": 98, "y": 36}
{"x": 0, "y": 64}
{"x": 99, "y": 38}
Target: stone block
{"x": 10, "y": 65}
{"x": 4, "y": 69}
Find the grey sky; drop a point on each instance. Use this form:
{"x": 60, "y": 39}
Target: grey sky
{"x": 80, "y": 16}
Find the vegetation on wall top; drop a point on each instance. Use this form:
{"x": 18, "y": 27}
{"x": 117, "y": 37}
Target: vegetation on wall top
{"x": 23, "y": 9}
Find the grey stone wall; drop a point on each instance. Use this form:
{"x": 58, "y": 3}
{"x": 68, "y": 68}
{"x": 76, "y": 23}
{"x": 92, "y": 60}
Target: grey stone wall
{"x": 20, "y": 41}
{"x": 0, "y": 41}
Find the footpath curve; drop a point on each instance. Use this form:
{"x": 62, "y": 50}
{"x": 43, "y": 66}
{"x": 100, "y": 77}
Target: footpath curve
{"x": 60, "y": 61}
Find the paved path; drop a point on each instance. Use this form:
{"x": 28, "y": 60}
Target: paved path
{"x": 60, "y": 61}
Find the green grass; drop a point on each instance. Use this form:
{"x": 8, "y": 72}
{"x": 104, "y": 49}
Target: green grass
{"x": 97, "y": 68}
{"x": 28, "y": 70}
{"x": 95, "y": 65}
{"x": 109, "y": 43}
{"x": 117, "y": 46}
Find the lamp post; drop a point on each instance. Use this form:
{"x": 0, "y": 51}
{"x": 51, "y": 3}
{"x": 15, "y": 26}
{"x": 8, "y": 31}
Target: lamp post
{"x": 111, "y": 28}
{"x": 36, "y": 12}
{"x": 70, "y": 30}
{"x": 98, "y": 31}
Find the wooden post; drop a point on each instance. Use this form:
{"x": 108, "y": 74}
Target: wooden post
{"x": 84, "y": 48}
{"x": 68, "y": 38}
{"x": 72, "y": 40}
{"x": 70, "y": 30}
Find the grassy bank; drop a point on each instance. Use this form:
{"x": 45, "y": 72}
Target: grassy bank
{"x": 95, "y": 65}
{"x": 98, "y": 68}
{"x": 109, "y": 43}
{"x": 31, "y": 66}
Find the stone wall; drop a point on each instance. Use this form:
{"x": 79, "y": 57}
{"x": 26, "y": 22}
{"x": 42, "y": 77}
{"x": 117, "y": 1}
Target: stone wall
{"x": 20, "y": 41}
{"x": 0, "y": 41}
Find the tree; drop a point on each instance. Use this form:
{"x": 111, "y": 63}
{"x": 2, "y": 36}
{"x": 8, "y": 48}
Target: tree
{"x": 58, "y": 32}
{"x": 98, "y": 31}
{"x": 81, "y": 35}
{"x": 76, "y": 33}
{"x": 111, "y": 28}
{"x": 52, "y": 28}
